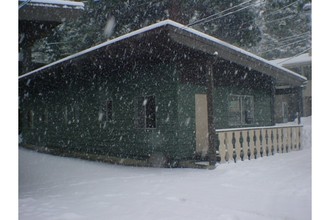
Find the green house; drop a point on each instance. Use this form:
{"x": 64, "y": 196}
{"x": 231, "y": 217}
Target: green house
{"x": 145, "y": 93}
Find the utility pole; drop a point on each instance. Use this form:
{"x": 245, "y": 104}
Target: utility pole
{"x": 211, "y": 127}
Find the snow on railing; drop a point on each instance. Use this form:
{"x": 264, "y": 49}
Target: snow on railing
{"x": 246, "y": 143}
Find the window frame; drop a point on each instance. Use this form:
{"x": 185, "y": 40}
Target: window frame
{"x": 65, "y": 115}
{"x": 107, "y": 115}
{"x": 75, "y": 113}
{"x": 45, "y": 116}
{"x": 141, "y": 112}
{"x": 107, "y": 112}
{"x": 242, "y": 111}
{"x": 30, "y": 118}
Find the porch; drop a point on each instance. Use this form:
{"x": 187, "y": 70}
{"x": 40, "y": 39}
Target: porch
{"x": 254, "y": 142}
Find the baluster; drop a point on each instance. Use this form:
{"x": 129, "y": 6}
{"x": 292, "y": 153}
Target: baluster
{"x": 272, "y": 139}
{"x": 277, "y": 140}
{"x": 267, "y": 147}
{"x": 282, "y": 140}
{"x": 248, "y": 144}
{"x": 226, "y": 147}
{"x": 291, "y": 136}
{"x": 299, "y": 138}
{"x": 241, "y": 140}
{"x": 222, "y": 147}
{"x": 255, "y": 152}
{"x": 219, "y": 148}
{"x": 233, "y": 141}
{"x": 295, "y": 137}
{"x": 287, "y": 141}
{"x": 261, "y": 146}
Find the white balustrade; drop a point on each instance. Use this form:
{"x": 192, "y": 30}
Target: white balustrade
{"x": 252, "y": 143}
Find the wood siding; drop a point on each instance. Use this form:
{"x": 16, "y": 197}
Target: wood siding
{"x": 72, "y": 95}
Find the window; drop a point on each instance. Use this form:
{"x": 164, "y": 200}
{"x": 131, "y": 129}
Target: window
{"x": 65, "y": 114}
{"x": 241, "y": 110}
{"x": 146, "y": 112}
{"x": 44, "y": 117}
{"x": 30, "y": 118}
{"x": 75, "y": 113}
{"x": 106, "y": 111}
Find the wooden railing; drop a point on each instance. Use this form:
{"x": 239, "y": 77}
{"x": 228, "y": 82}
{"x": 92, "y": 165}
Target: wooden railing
{"x": 248, "y": 143}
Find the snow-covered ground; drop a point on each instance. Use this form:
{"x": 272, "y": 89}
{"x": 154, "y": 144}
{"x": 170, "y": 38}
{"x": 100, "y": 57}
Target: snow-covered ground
{"x": 275, "y": 187}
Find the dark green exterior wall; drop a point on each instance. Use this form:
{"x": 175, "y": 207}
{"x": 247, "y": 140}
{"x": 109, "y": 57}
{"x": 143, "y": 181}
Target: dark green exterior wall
{"x": 83, "y": 98}
{"x": 82, "y": 92}
{"x": 186, "y": 110}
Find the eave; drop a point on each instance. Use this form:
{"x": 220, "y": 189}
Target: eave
{"x": 197, "y": 41}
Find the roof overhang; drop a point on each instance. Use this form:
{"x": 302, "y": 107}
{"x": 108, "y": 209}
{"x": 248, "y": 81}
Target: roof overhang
{"x": 296, "y": 61}
{"x": 49, "y": 10}
{"x": 199, "y": 41}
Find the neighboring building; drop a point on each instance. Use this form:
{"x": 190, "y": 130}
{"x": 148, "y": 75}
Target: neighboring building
{"x": 37, "y": 19}
{"x": 285, "y": 102}
{"x": 145, "y": 93}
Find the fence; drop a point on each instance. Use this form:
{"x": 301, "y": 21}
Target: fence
{"x": 248, "y": 143}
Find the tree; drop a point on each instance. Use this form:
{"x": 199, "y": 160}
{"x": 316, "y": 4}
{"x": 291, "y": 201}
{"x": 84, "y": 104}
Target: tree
{"x": 233, "y": 21}
{"x": 285, "y": 27}
{"x": 238, "y": 27}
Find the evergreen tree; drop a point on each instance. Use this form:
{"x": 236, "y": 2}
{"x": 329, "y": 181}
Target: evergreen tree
{"x": 233, "y": 21}
{"x": 286, "y": 29}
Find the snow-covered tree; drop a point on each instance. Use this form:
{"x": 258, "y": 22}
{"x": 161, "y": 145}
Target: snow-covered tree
{"x": 285, "y": 27}
{"x": 230, "y": 20}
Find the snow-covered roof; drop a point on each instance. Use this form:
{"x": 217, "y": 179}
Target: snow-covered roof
{"x": 303, "y": 59}
{"x": 54, "y": 3}
{"x": 52, "y": 11}
{"x": 205, "y": 43}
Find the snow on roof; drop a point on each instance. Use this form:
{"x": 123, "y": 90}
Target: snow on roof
{"x": 181, "y": 27}
{"x": 64, "y": 3}
{"x": 294, "y": 61}
{"x": 232, "y": 47}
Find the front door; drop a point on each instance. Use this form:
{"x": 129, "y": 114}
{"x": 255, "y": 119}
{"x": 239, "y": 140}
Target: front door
{"x": 202, "y": 141}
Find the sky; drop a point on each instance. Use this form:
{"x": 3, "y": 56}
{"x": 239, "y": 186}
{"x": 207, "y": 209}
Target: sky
{"x": 9, "y": 100}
